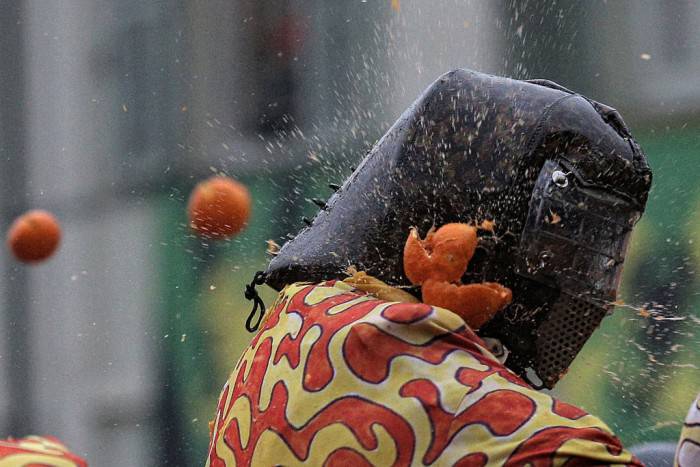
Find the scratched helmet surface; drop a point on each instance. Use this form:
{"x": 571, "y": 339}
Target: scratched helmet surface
{"x": 559, "y": 174}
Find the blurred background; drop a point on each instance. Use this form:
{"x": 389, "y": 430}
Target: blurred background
{"x": 110, "y": 112}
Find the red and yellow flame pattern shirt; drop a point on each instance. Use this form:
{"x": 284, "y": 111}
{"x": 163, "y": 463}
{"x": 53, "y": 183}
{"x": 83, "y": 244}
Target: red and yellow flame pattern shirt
{"x": 338, "y": 377}
{"x": 37, "y": 451}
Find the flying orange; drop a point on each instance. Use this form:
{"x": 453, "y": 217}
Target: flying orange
{"x": 219, "y": 208}
{"x": 34, "y": 236}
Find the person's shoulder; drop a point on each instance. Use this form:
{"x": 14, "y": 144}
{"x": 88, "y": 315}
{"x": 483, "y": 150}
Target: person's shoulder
{"x": 548, "y": 428}
{"x": 320, "y": 289}
{"x": 37, "y": 450}
{"x": 310, "y": 294}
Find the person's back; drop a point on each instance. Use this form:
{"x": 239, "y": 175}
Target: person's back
{"x": 339, "y": 377}
{"x": 550, "y": 184}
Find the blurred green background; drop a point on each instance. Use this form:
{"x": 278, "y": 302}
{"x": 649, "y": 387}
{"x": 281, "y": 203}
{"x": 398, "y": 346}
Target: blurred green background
{"x": 111, "y": 112}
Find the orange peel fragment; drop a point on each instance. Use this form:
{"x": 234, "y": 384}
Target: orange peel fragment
{"x": 438, "y": 263}
{"x": 475, "y": 303}
{"x": 443, "y": 254}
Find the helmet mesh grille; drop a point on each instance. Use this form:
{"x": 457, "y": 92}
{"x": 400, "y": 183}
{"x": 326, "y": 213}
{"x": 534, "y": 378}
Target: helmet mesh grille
{"x": 562, "y": 335}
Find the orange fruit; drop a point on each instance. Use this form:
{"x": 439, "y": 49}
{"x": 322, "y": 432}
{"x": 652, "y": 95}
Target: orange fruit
{"x": 475, "y": 303}
{"x": 34, "y": 236}
{"x": 219, "y": 207}
{"x": 443, "y": 255}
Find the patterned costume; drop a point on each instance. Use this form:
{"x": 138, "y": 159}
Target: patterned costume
{"x": 688, "y": 452}
{"x": 338, "y": 377}
{"x": 36, "y": 451}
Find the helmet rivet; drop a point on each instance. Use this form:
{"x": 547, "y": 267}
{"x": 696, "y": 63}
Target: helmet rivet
{"x": 559, "y": 179}
{"x": 545, "y": 258}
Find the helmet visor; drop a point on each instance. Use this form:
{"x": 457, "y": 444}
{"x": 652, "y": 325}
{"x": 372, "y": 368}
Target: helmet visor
{"x": 574, "y": 241}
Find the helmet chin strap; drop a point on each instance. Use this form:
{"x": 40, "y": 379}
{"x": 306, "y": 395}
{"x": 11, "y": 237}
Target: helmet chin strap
{"x": 252, "y": 294}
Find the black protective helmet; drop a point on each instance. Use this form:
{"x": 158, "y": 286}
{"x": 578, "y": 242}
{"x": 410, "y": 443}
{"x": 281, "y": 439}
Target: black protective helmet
{"x": 558, "y": 173}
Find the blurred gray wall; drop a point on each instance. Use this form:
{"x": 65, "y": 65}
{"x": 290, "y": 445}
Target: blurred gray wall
{"x": 88, "y": 131}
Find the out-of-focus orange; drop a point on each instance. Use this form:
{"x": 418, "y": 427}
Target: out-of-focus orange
{"x": 219, "y": 207}
{"x": 443, "y": 255}
{"x": 34, "y": 236}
